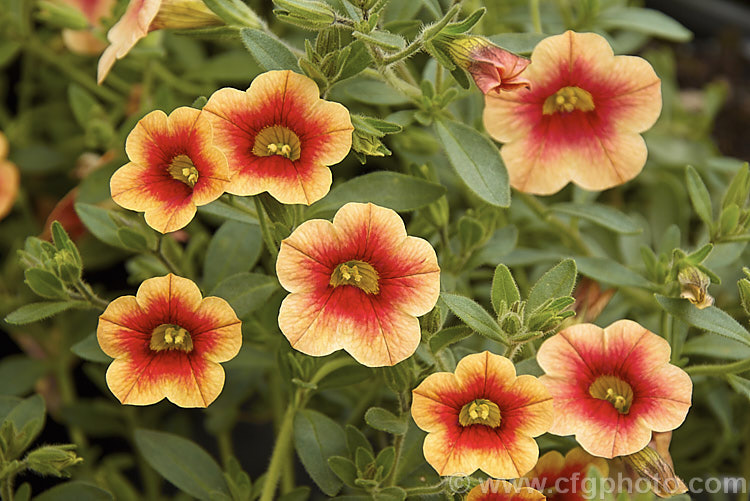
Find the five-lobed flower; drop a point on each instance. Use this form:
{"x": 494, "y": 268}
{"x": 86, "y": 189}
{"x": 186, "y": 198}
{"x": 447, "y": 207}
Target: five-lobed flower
{"x": 167, "y": 341}
{"x": 581, "y": 118}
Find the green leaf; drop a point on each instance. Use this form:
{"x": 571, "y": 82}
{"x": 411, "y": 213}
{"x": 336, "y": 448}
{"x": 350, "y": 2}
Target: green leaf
{"x": 474, "y": 316}
{"x": 393, "y": 493}
{"x": 520, "y": 43}
{"x": 504, "y": 288}
{"x": 344, "y": 468}
{"x": 447, "y": 337}
{"x": 268, "y": 52}
{"x": 476, "y": 160}
{"x": 646, "y": 21}
{"x": 557, "y": 282}
{"x": 45, "y": 283}
{"x": 386, "y": 458}
{"x": 132, "y": 239}
{"x": 80, "y": 491}
{"x": 234, "y": 12}
{"x": 182, "y": 462}
{"x": 712, "y": 345}
{"x": 386, "y": 421}
{"x": 99, "y": 223}
{"x": 709, "y": 319}
{"x": 28, "y": 418}
{"x": 740, "y": 385}
{"x": 19, "y": 374}
{"x": 219, "y": 208}
{"x": 234, "y": 248}
{"x": 316, "y": 438}
{"x": 355, "y": 439}
{"x": 384, "y": 39}
{"x": 88, "y": 349}
{"x": 394, "y": 190}
{"x": 246, "y": 292}
{"x": 699, "y": 196}
{"x": 611, "y": 272}
{"x": 34, "y": 312}
{"x": 83, "y": 104}
{"x": 602, "y": 215}
{"x": 369, "y": 91}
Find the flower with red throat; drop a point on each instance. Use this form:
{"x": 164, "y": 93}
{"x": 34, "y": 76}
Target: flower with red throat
{"x": 167, "y": 341}
{"x": 174, "y": 168}
{"x": 358, "y": 283}
{"x": 482, "y": 417}
{"x": 581, "y": 119}
{"x": 144, "y": 16}
{"x": 493, "y": 69}
{"x": 612, "y": 387}
{"x": 562, "y": 478}
{"x": 10, "y": 179}
{"x": 500, "y": 490}
{"x": 279, "y": 136}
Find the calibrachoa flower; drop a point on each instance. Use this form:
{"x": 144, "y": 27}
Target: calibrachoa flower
{"x": 10, "y": 179}
{"x": 580, "y": 120}
{"x": 500, "y": 490}
{"x": 174, "y": 167}
{"x": 358, "y": 284}
{"x": 279, "y": 136}
{"x": 561, "y": 478}
{"x": 145, "y": 16}
{"x": 167, "y": 341}
{"x": 612, "y": 387}
{"x": 84, "y": 41}
{"x": 482, "y": 417}
{"x": 492, "y": 68}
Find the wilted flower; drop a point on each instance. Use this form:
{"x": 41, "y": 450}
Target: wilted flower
{"x": 581, "y": 119}
{"x": 167, "y": 341}
{"x": 612, "y": 387}
{"x": 561, "y": 478}
{"x": 500, "y": 490}
{"x": 174, "y": 167}
{"x": 64, "y": 212}
{"x": 145, "y": 16}
{"x": 649, "y": 464}
{"x": 493, "y": 69}
{"x": 694, "y": 286}
{"x": 358, "y": 283}
{"x": 590, "y": 300}
{"x": 279, "y": 136}
{"x": 482, "y": 417}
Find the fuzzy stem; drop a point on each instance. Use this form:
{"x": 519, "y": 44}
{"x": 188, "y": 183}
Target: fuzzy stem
{"x": 536, "y": 18}
{"x": 280, "y": 449}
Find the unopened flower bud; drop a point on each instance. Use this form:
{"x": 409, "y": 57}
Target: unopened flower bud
{"x": 53, "y": 459}
{"x": 648, "y": 464}
{"x": 694, "y": 287}
{"x": 492, "y": 68}
{"x": 308, "y": 14}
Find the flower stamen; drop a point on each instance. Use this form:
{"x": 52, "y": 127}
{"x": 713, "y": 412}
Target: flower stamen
{"x": 171, "y": 337}
{"x": 615, "y": 391}
{"x": 182, "y": 169}
{"x": 568, "y": 99}
{"x": 277, "y": 140}
{"x": 358, "y": 274}
{"x": 480, "y": 411}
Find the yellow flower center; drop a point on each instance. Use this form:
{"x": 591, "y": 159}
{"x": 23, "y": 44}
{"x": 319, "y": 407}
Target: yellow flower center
{"x": 277, "y": 140}
{"x": 480, "y": 411}
{"x": 614, "y": 390}
{"x": 568, "y": 99}
{"x": 171, "y": 337}
{"x": 358, "y": 274}
{"x": 182, "y": 169}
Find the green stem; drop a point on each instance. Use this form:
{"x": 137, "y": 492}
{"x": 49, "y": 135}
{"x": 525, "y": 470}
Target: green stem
{"x": 719, "y": 369}
{"x": 536, "y": 18}
{"x": 85, "y": 291}
{"x": 176, "y": 82}
{"x": 224, "y": 441}
{"x": 7, "y": 489}
{"x": 149, "y": 478}
{"x": 68, "y": 396}
{"x": 566, "y": 233}
{"x": 162, "y": 256}
{"x": 425, "y": 490}
{"x": 411, "y": 49}
{"x": 267, "y": 237}
{"x": 48, "y": 56}
{"x": 280, "y": 450}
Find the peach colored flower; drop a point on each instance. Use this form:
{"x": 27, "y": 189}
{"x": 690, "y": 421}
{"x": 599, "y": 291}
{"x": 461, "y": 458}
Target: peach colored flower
{"x": 10, "y": 179}
{"x": 167, "y": 341}
{"x": 144, "y": 16}
{"x": 279, "y": 136}
{"x": 493, "y": 69}
{"x": 85, "y": 41}
{"x": 174, "y": 167}
{"x": 500, "y": 490}
{"x": 358, "y": 283}
{"x": 561, "y": 478}
{"x": 612, "y": 387}
{"x": 581, "y": 119}
{"x": 482, "y": 417}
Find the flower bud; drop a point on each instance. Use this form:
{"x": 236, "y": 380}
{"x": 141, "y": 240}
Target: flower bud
{"x": 53, "y": 460}
{"x": 694, "y": 287}
{"x": 648, "y": 464}
{"x": 492, "y": 68}
{"x": 307, "y": 14}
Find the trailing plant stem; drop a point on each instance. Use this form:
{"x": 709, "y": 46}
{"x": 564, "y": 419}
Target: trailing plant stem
{"x": 280, "y": 451}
